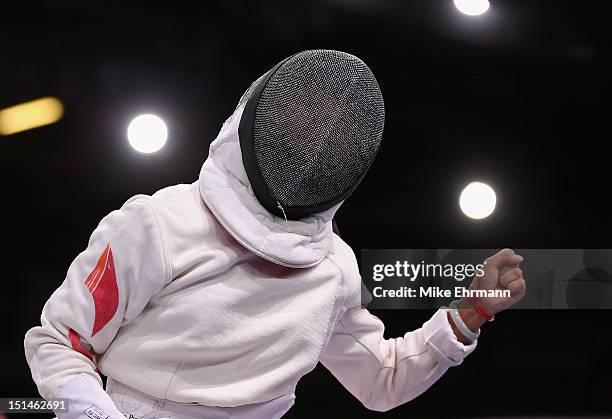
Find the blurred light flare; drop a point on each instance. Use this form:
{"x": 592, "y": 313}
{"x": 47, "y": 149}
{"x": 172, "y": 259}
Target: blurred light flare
{"x": 472, "y": 7}
{"x": 147, "y": 133}
{"x": 30, "y": 115}
{"x": 478, "y": 200}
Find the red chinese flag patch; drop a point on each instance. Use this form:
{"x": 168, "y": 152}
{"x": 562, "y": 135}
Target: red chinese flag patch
{"x": 75, "y": 341}
{"x": 102, "y": 284}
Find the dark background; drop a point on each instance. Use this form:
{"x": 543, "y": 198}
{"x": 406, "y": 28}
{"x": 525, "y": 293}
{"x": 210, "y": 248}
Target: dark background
{"x": 518, "y": 98}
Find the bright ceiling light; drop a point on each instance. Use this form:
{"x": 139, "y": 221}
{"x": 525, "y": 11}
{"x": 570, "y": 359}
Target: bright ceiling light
{"x": 147, "y": 133}
{"x": 472, "y": 7}
{"x": 477, "y": 200}
{"x": 29, "y": 115}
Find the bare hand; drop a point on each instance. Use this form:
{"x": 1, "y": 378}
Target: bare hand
{"x": 501, "y": 272}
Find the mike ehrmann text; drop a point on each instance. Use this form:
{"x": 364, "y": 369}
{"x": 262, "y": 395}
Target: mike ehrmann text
{"x": 437, "y": 292}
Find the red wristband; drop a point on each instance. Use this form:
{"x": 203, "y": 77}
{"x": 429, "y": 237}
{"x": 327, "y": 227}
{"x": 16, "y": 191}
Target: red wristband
{"x": 484, "y": 314}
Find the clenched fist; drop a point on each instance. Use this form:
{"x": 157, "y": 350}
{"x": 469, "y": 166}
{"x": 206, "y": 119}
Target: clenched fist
{"x": 501, "y": 272}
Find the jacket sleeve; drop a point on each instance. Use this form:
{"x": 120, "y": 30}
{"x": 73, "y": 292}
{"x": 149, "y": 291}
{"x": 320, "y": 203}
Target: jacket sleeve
{"x": 106, "y": 286}
{"x": 384, "y": 373}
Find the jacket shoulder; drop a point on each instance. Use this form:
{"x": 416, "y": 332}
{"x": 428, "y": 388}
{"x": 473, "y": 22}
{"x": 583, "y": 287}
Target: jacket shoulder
{"x": 187, "y": 226}
{"x": 178, "y": 207}
{"x": 174, "y": 208}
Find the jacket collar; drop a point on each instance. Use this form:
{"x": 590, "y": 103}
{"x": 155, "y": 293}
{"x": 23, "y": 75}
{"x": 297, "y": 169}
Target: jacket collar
{"x": 225, "y": 188}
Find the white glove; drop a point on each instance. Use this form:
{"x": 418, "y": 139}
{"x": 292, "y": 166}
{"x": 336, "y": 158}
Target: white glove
{"x": 87, "y": 400}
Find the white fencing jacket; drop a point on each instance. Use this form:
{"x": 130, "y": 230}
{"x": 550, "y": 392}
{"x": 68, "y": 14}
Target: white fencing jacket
{"x": 198, "y": 296}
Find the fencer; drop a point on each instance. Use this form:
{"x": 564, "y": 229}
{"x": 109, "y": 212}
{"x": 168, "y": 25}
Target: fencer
{"x": 212, "y": 299}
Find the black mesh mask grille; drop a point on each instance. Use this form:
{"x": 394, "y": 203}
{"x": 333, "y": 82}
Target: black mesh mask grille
{"x": 316, "y": 128}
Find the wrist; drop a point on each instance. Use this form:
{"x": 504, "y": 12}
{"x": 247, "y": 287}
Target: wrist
{"x": 470, "y": 316}
{"x": 472, "y": 319}
{"x": 466, "y": 333}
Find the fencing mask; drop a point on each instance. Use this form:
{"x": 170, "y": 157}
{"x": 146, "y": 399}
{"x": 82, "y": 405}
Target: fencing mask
{"x": 310, "y": 129}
